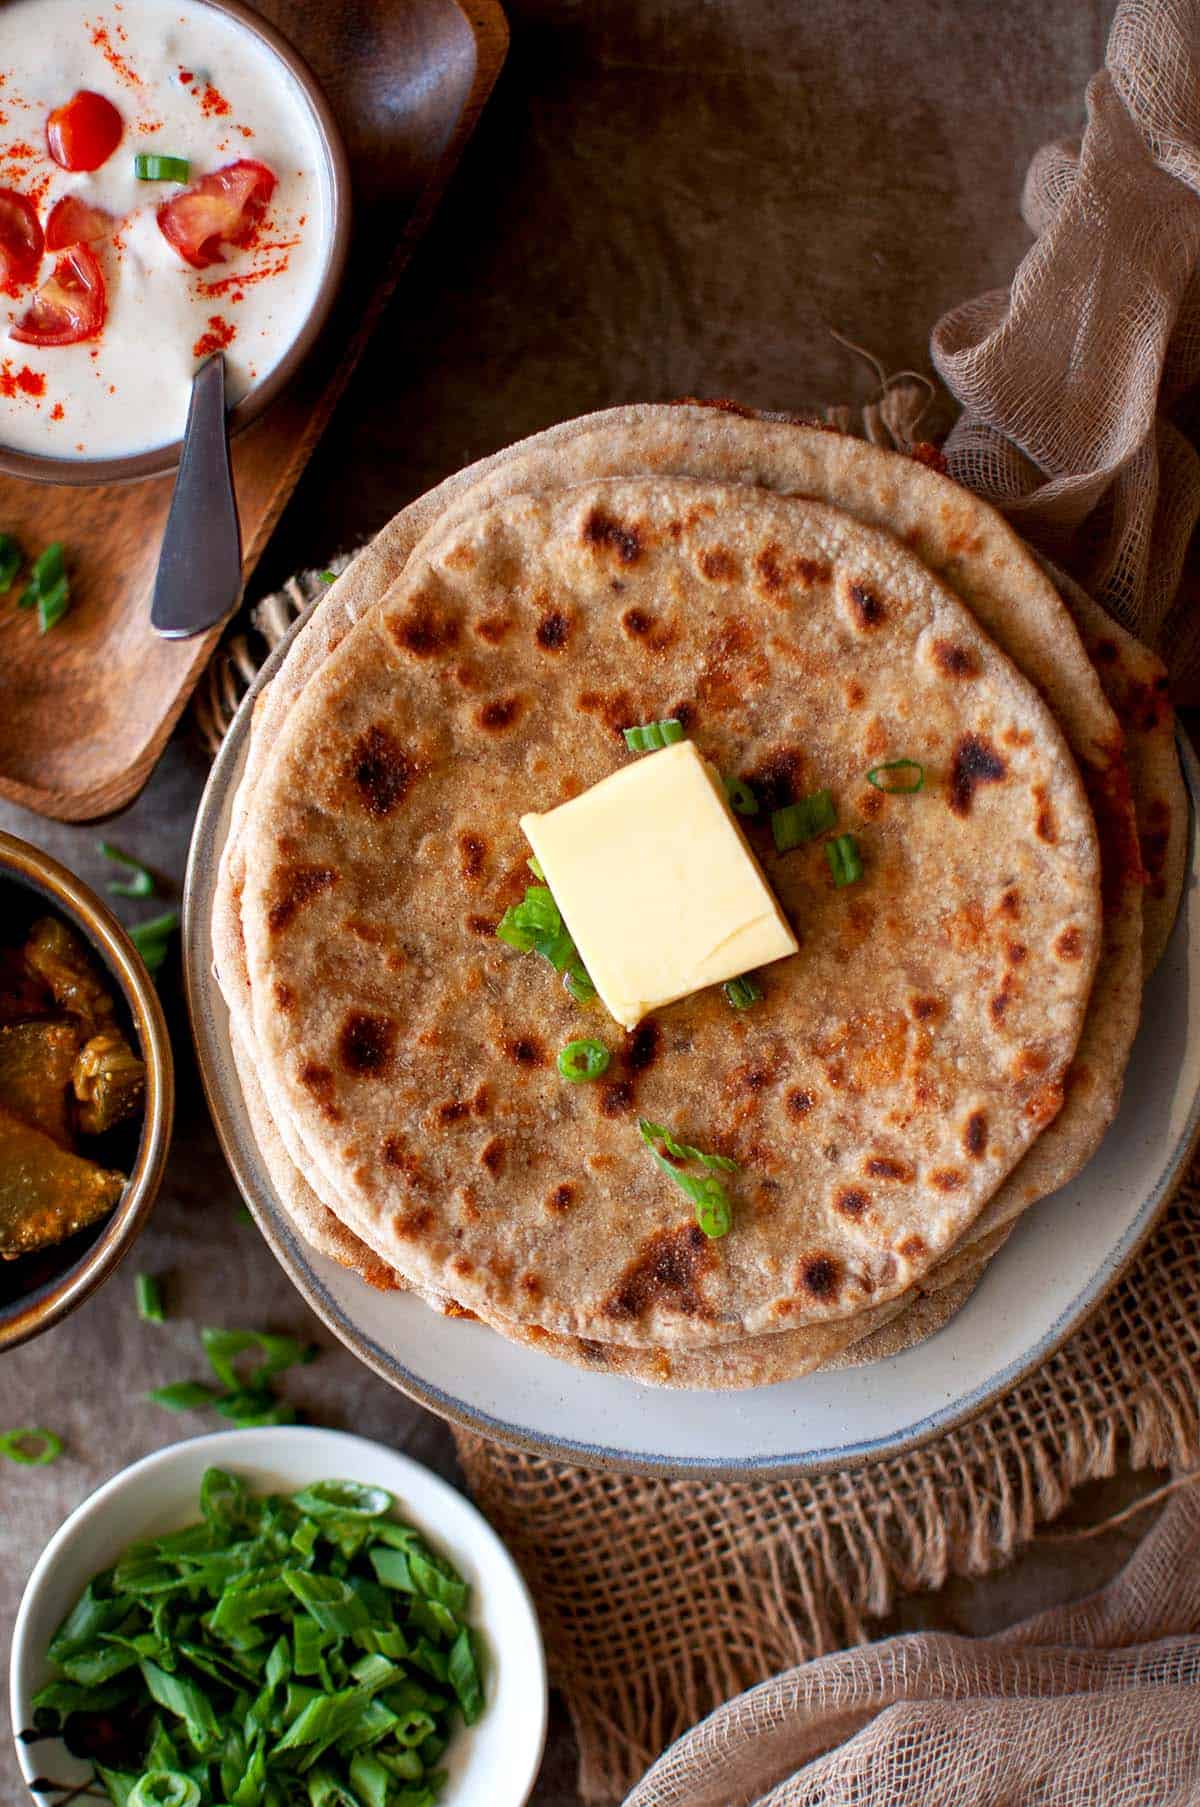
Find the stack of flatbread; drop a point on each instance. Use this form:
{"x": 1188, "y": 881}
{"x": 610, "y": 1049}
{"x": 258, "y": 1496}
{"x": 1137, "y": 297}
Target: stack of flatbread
{"x": 946, "y": 1048}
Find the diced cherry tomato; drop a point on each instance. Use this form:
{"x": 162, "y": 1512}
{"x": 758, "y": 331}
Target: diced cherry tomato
{"x": 84, "y": 133}
{"x": 69, "y": 306}
{"x": 20, "y": 241}
{"x": 222, "y": 208}
{"x": 74, "y": 221}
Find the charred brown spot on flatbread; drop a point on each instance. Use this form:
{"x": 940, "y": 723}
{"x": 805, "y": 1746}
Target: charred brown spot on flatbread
{"x": 911, "y": 1249}
{"x": 1010, "y": 904}
{"x": 852, "y": 1202}
{"x": 864, "y": 608}
{"x": 799, "y": 1102}
{"x": 647, "y": 631}
{"x": 1015, "y": 953}
{"x": 453, "y": 1110}
{"x": 718, "y": 565}
{"x": 366, "y": 1044}
{"x": 955, "y": 661}
{"x": 820, "y": 1276}
{"x": 1145, "y": 707}
{"x": 296, "y": 885}
{"x": 668, "y": 1270}
{"x": 560, "y": 1200}
{"x": 493, "y": 628}
{"x": 889, "y": 1167}
{"x": 605, "y": 532}
{"x": 1108, "y": 792}
{"x": 285, "y": 997}
{"x": 775, "y": 780}
{"x": 870, "y": 803}
{"x": 1045, "y": 825}
{"x": 616, "y": 1097}
{"x": 946, "y": 1179}
{"x": 1069, "y": 945}
{"x": 492, "y": 1155}
{"x": 643, "y": 1046}
{"x": 412, "y": 1225}
{"x": 553, "y": 631}
{"x": 427, "y": 630}
{"x": 615, "y": 708}
{"x": 1155, "y": 841}
{"x": 482, "y": 925}
{"x": 472, "y": 851}
{"x": 318, "y": 1081}
{"x": 380, "y": 771}
{"x": 975, "y": 1135}
{"x": 500, "y": 714}
{"x": 975, "y": 762}
{"x": 525, "y": 1051}
{"x": 1001, "y": 998}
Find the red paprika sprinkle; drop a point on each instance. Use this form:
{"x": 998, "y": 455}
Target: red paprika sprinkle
{"x": 219, "y": 335}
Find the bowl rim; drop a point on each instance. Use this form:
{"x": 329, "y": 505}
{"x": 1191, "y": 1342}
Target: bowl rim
{"x": 214, "y": 1448}
{"x": 130, "y": 467}
{"x": 41, "y": 873}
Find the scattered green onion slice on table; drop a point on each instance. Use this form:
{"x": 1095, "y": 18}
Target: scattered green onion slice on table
{"x": 742, "y": 800}
{"x": 15, "y": 1444}
{"x": 714, "y": 1210}
{"x": 798, "y": 822}
{"x": 581, "y": 1060}
{"x": 152, "y": 166}
{"x": 899, "y": 777}
{"x": 152, "y": 938}
{"x": 310, "y": 1648}
{"x": 140, "y": 885}
{"x": 743, "y": 992}
{"x": 844, "y": 862}
{"x": 535, "y": 926}
{"x": 184, "y": 1396}
{"x": 11, "y": 560}
{"x": 275, "y": 1354}
{"x": 650, "y": 736}
{"x": 48, "y": 589}
{"x": 150, "y": 1307}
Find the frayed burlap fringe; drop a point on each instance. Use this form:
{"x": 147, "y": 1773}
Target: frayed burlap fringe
{"x": 1078, "y": 383}
{"x": 660, "y": 1599}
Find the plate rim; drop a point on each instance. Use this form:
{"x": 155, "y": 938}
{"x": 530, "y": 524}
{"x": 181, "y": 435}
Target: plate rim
{"x": 204, "y": 853}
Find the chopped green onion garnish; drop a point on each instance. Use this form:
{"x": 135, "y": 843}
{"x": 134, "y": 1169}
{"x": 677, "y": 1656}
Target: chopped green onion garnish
{"x": 535, "y": 866}
{"x": 844, "y": 863}
{"x": 48, "y": 589}
{"x": 653, "y": 735}
{"x": 742, "y": 992}
{"x": 714, "y": 1212}
{"x": 802, "y": 821}
{"x": 742, "y": 800}
{"x": 535, "y": 926}
{"x": 151, "y": 166}
{"x": 53, "y": 605}
{"x": 899, "y": 777}
{"x": 11, "y": 560}
{"x": 275, "y": 1353}
{"x": 327, "y": 577}
{"x": 149, "y": 1299}
{"x": 140, "y": 885}
{"x": 184, "y": 1396}
{"x": 49, "y": 566}
{"x": 151, "y": 938}
{"x": 583, "y": 1060}
{"x": 16, "y": 1446}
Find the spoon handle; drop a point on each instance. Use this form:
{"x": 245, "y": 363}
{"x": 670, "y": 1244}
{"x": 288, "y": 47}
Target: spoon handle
{"x": 200, "y": 565}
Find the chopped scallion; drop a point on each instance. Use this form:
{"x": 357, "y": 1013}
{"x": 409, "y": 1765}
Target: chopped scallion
{"x": 742, "y": 992}
{"x": 149, "y": 1299}
{"x": 683, "y": 1151}
{"x": 650, "y": 736}
{"x": 899, "y": 777}
{"x": 140, "y": 885}
{"x": 152, "y": 166}
{"x": 844, "y": 861}
{"x": 48, "y": 589}
{"x": 183, "y": 1396}
{"x": 535, "y": 866}
{"x": 742, "y": 800}
{"x": 152, "y": 938}
{"x": 327, "y": 577}
{"x": 802, "y": 821}
{"x": 714, "y": 1211}
{"x": 535, "y": 926}
{"x": 16, "y": 1445}
{"x": 582, "y": 1060}
{"x": 11, "y": 560}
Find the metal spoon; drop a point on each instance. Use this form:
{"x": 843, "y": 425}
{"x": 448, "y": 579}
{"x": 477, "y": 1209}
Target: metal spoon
{"x": 199, "y": 576}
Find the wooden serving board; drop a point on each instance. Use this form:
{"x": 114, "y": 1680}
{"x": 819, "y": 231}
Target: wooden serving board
{"x": 86, "y": 710}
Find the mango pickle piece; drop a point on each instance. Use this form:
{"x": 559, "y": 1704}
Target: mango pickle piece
{"x": 46, "y": 1194}
{"x": 37, "y": 1065}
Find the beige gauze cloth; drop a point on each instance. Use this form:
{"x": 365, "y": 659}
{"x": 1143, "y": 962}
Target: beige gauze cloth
{"x": 1091, "y": 1705}
{"x": 1078, "y": 383}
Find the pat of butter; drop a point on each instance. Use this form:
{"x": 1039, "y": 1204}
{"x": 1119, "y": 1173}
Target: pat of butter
{"x": 657, "y": 883}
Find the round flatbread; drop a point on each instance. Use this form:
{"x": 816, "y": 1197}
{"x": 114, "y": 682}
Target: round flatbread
{"x": 801, "y": 642}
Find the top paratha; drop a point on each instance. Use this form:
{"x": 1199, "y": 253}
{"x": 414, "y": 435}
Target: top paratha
{"x": 359, "y": 947}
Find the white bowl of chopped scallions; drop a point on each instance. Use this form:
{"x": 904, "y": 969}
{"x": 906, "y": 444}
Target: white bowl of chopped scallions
{"x": 279, "y": 1617}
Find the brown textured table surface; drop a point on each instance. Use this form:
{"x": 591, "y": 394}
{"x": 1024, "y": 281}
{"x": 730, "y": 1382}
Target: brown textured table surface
{"x": 665, "y": 198}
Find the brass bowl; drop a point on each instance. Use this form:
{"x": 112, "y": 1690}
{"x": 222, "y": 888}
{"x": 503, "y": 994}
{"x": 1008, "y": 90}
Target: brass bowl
{"x": 69, "y": 1273}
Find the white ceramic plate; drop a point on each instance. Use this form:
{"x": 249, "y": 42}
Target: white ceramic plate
{"x": 1059, "y": 1261}
{"x": 496, "y": 1760}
